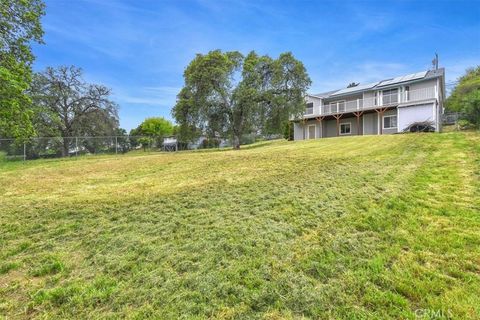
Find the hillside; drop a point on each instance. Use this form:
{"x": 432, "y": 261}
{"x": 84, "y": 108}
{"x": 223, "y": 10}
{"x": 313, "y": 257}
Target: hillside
{"x": 360, "y": 227}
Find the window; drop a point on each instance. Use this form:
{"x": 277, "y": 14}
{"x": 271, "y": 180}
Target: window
{"x": 389, "y": 122}
{"x": 338, "y": 106}
{"x": 345, "y": 128}
{"x": 407, "y": 93}
{"x": 309, "y": 109}
{"x": 390, "y": 96}
{"x": 333, "y": 107}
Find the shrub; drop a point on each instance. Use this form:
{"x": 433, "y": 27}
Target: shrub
{"x": 210, "y": 143}
{"x": 464, "y": 124}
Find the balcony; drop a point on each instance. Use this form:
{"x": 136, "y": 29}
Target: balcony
{"x": 385, "y": 100}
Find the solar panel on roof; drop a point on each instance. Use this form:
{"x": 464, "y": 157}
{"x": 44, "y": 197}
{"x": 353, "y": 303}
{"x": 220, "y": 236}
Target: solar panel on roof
{"x": 407, "y": 77}
{"x": 382, "y": 83}
{"x": 357, "y": 88}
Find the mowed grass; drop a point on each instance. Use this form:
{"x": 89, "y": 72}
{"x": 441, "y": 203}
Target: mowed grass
{"x": 379, "y": 227}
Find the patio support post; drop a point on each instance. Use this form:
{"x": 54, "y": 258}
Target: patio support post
{"x": 358, "y": 115}
{"x": 337, "y": 117}
{"x": 320, "y": 120}
{"x": 380, "y": 113}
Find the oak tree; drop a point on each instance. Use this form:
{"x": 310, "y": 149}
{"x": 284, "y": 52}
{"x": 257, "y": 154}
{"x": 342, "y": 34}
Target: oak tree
{"x": 227, "y": 94}
{"x": 69, "y": 106}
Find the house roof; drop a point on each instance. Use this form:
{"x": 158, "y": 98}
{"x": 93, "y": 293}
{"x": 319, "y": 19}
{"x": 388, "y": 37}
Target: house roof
{"x": 360, "y": 87}
{"x": 383, "y": 83}
{"x": 323, "y": 94}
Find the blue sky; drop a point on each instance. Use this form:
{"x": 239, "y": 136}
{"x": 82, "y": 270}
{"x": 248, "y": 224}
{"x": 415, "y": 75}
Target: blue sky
{"x": 139, "y": 48}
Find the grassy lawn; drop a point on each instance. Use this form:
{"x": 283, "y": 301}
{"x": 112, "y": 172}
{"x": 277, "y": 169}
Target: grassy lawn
{"x": 379, "y": 227}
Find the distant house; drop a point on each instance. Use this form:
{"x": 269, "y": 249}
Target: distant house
{"x": 171, "y": 143}
{"x": 383, "y": 107}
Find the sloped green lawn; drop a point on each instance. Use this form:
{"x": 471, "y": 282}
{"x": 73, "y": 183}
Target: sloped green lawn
{"x": 379, "y": 227}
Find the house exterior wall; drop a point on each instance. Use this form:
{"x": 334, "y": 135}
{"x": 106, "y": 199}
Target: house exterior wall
{"x": 330, "y": 128}
{"x": 301, "y": 131}
{"x": 370, "y": 123}
{"x": 431, "y": 83}
{"x": 297, "y": 131}
{"x": 415, "y": 113}
{"x": 392, "y": 112}
{"x": 439, "y": 112}
{"x": 317, "y": 102}
{"x": 423, "y": 103}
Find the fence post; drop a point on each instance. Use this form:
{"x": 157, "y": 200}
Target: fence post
{"x": 116, "y": 145}
{"x": 24, "y": 151}
{"x": 76, "y": 146}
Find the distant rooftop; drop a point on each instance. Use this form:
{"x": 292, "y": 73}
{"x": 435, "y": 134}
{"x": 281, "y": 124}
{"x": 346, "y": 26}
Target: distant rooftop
{"x": 383, "y": 83}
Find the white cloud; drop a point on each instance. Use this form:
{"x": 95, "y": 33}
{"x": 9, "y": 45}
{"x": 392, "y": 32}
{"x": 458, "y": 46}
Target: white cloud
{"x": 161, "y": 97}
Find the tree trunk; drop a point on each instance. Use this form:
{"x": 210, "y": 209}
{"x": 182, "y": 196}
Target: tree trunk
{"x": 65, "y": 147}
{"x": 236, "y": 141}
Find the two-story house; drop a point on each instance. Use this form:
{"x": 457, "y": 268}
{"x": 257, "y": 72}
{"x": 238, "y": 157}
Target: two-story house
{"x": 387, "y": 106}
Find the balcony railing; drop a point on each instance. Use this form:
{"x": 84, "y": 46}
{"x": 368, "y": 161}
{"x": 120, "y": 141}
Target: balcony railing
{"x": 369, "y": 103}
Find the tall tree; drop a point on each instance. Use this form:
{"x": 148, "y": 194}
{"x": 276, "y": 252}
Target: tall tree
{"x": 465, "y": 96}
{"x": 70, "y": 106}
{"x": 228, "y": 94}
{"x": 19, "y": 26}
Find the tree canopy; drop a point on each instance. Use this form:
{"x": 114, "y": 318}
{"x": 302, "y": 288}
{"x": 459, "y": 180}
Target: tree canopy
{"x": 152, "y": 130}
{"x": 227, "y": 94}
{"x": 465, "y": 97}
{"x": 156, "y": 127}
{"x": 68, "y": 106}
{"x": 19, "y": 26}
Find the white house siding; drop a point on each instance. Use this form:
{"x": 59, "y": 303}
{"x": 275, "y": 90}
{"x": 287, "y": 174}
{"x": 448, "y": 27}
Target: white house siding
{"x": 423, "y": 84}
{"x": 416, "y": 113}
{"x": 316, "y": 103}
{"x": 438, "y": 113}
{"x": 424, "y": 103}
{"x": 297, "y": 131}
{"x": 368, "y": 96}
{"x": 301, "y": 131}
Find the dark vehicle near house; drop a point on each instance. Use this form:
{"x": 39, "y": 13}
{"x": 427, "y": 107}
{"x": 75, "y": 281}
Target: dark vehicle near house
{"x": 424, "y": 126}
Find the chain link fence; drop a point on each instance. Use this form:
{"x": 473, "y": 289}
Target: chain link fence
{"x": 57, "y": 147}
{"x": 450, "y": 118}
